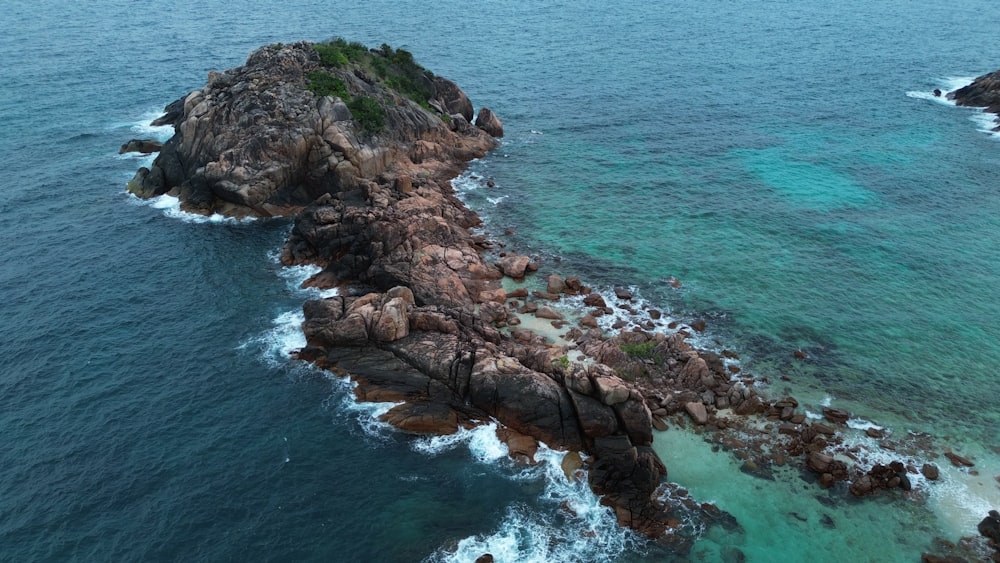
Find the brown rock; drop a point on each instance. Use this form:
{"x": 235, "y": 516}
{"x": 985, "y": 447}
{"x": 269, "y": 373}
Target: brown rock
{"x": 958, "y": 461}
{"x": 519, "y": 293}
{"x": 790, "y": 429}
{"x": 594, "y": 300}
{"x": 698, "y": 325}
{"x": 555, "y": 284}
{"x": 422, "y": 418}
{"x": 862, "y": 486}
{"x": 498, "y": 295}
{"x": 930, "y": 471}
{"x": 819, "y": 462}
{"x": 520, "y": 447}
{"x": 489, "y": 122}
{"x": 546, "y": 312}
{"x": 821, "y": 428}
{"x": 514, "y": 266}
{"x": 697, "y": 412}
{"x": 838, "y": 416}
{"x": 404, "y": 184}
{"x": 571, "y": 463}
{"x": 623, "y": 294}
{"x": 588, "y": 321}
{"x": 611, "y": 390}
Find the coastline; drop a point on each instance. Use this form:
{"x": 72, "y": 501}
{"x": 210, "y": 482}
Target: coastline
{"x": 691, "y": 378}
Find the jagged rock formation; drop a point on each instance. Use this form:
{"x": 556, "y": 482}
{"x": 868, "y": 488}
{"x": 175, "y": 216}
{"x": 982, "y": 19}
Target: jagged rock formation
{"x": 257, "y": 140}
{"x": 984, "y": 92}
{"x": 366, "y": 169}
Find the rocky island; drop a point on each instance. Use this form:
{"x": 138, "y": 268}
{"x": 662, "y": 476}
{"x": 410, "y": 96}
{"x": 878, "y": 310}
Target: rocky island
{"x": 359, "y": 146}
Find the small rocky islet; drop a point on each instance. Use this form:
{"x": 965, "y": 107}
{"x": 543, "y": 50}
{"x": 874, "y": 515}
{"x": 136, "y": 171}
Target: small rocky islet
{"x": 359, "y": 146}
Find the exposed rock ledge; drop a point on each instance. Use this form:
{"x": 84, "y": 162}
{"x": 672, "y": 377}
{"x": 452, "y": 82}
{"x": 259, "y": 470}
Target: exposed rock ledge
{"x": 984, "y": 92}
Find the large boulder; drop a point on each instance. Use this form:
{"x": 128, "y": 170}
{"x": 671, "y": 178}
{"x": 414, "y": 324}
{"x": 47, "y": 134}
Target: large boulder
{"x": 452, "y": 99}
{"x": 489, "y": 122}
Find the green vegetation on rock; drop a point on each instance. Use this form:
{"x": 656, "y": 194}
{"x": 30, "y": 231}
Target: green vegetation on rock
{"x": 368, "y": 113}
{"x": 640, "y": 351}
{"x": 323, "y": 83}
{"x": 395, "y": 68}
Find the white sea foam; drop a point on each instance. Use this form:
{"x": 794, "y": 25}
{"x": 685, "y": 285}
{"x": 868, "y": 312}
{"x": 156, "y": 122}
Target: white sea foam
{"x": 985, "y": 122}
{"x": 962, "y": 499}
{"x": 575, "y": 526}
{"x": 367, "y": 415}
{"x": 466, "y": 182}
{"x": 145, "y": 129}
{"x": 295, "y": 276}
{"x": 945, "y": 85}
{"x": 171, "y": 207}
{"x": 482, "y": 442}
{"x": 276, "y": 345}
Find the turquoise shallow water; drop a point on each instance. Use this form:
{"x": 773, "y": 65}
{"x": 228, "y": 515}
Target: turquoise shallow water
{"x": 783, "y": 160}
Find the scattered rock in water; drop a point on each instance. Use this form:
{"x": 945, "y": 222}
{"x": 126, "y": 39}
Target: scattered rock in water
{"x": 485, "y": 558}
{"x": 673, "y": 282}
{"x": 838, "y": 416}
{"x": 800, "y": 355}
{"x": 555, "y": 284}
{"x": 930, "y": 471}
{"x": 698, "y": 325}
{"x": 957, "y": 460}
{"x": 873, "y": 432}
{"x": 623, "y": 294}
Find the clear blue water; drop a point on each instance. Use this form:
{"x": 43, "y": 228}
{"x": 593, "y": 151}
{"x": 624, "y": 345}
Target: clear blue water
{"x": 782, "y": 159}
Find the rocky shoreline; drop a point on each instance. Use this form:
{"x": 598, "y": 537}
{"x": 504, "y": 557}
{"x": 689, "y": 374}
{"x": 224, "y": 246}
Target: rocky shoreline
{"x": 984, "y": 92}
{"x": 360, "y": 147}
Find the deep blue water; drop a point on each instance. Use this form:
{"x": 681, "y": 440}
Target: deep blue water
{"x": 782, "y": 159}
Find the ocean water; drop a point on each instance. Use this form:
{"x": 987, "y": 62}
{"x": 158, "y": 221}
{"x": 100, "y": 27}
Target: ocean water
{"x": 784, "y": 160}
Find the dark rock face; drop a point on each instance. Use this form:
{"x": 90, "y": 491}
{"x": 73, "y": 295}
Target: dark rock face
{"x": 256, "y": 141}
{"x": 990, "y": 527}
{"x": 984, "y": 92}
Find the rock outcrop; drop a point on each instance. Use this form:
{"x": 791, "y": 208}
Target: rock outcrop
{"x": 271, "y": 136}
{"x": 984, "y": 92}
{"x": 316, "y": 132}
